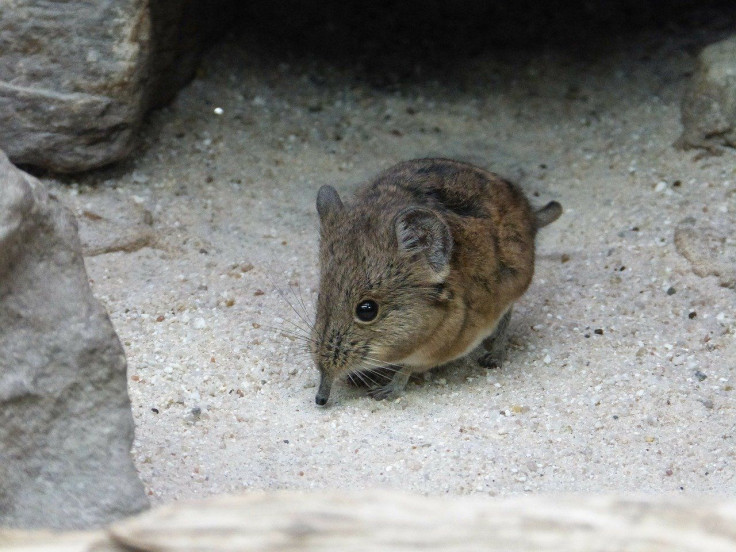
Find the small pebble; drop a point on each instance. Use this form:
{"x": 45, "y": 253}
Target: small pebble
{"x": 598, "y": 331}
{"x": 700, "y": 375}
{"x": 692, "y": 315}
{"x": 219, "y": 111}
{"x": 194, "y": 415}
{"x": 671, "y": 291}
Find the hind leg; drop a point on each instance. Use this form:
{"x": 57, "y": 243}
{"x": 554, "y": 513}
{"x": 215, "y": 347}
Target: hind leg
{"x": 495, "y": 344}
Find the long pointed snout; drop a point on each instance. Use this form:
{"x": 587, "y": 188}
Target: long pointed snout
{"x": 323, "y": 393}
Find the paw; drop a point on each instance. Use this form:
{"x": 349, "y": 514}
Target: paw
{"x": 490, "y": 361}
{"x": 384, "y": 392}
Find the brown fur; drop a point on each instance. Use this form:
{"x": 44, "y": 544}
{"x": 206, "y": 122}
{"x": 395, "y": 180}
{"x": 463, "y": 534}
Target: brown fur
{"x": 438, "y": 294}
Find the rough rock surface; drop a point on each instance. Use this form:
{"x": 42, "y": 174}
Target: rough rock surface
{"x": 710, "y": 247}
{"x": 74, "y": 100}
{"x": 118, "y": 224}
{"x": 65, "y": 422}
{"x": 709, "y": 105}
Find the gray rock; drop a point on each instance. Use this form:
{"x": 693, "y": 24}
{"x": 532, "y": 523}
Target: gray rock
{"x": 72, "y": 81}
{"x": 113, "y": 224}
{"x": 709, "y": 105}
{"x": 710, "y": 247}
{"x": 66, "y": 426}
{"x": 77, "y": 77}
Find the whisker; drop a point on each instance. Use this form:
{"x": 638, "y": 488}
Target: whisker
{"x": 375, "y": 361}
{"x": 306, "y": 332}
{"x": 302, "y": 333}
{"x": 298, "y": 301}
{"x": 366, "y": 375}
{"x": 302, "y": 355}
{"x": 298, "y": 331}
{"x": 385, "y": 368}
{"x": 299, "y": 327}
{"x": 372, "y": 364}
{"x": 291, "y": 305}
{"x": 361, "y": 375}
{"x": 300, "y": 298}
{"x": 294, "y": 336}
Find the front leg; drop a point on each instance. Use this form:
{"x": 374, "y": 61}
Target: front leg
{"x": 495, "y": 344}
{"x": 395, "y": 387}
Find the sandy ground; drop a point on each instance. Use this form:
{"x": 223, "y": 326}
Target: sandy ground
{"x": 622, "y": 366}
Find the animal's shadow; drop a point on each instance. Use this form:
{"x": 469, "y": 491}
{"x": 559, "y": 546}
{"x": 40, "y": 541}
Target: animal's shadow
{"x": 464, "y": 373}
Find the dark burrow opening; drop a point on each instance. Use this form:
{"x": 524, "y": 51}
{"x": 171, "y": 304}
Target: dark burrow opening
{"x": 390, "y": 41}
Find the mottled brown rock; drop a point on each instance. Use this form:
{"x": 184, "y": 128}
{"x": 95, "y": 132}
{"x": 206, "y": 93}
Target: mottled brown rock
{"x": 709, "y": 105}
{"x": 72, "y": 81}
{"x": 76, "y": 78}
